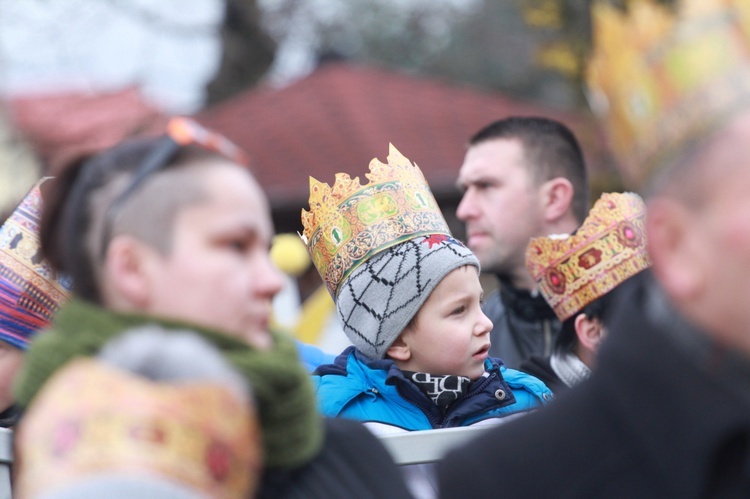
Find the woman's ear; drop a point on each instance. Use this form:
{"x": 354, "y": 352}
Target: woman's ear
{"x": 557, "y": 196}
{"x": 126, "y": 273}
{"x": 399, "y": 350}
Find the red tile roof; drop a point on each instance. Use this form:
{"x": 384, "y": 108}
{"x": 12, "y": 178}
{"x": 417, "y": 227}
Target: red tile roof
{"x": 341, "y": 116}
{"x": 64, "y": 126}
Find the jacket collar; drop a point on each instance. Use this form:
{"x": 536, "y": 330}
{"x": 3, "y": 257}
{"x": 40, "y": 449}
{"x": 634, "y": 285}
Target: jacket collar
{"x": 663, "y": 383}
{"x": 530, "y": 305}
{"x": 480, "y": 397}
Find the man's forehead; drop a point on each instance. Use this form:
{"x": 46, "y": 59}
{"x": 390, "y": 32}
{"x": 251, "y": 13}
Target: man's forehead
{"x": 492, "y": 159}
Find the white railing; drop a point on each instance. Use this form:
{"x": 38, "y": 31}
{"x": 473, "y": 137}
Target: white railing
{"x": 6, "y": 462}
{"x": 427, "y": 446}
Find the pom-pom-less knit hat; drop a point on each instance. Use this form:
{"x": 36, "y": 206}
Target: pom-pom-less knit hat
{"x": 379, "y": 299}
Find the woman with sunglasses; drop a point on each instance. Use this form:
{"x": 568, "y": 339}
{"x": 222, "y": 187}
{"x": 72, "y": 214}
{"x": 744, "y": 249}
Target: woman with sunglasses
{"x": 174, "y": 231}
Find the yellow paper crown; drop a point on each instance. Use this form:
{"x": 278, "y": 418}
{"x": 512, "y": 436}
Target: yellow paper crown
{"x": 199, "y": 435}
{"x": 662, "y": 78}
{"x": 610, "y": 247}
{"x": 349, "y": 223}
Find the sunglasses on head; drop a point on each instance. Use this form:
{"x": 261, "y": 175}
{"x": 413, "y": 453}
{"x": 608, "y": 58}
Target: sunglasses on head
{"x": 181, "y": 132}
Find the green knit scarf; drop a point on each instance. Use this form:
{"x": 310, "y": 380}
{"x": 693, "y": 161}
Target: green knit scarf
{"x": 292, "y": 428}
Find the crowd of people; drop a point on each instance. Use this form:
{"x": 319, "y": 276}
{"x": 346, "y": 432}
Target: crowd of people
{"x": 139, "y": 356}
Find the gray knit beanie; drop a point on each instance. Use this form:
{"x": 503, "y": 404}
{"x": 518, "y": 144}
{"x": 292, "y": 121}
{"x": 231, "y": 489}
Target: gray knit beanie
{"x": 377, "y": 301}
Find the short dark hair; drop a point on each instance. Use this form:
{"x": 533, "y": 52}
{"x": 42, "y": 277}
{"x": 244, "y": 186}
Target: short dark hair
{"x": 70, "y": 213}
{"x": 594, "y": 310}
{"x": 551, "y": 150}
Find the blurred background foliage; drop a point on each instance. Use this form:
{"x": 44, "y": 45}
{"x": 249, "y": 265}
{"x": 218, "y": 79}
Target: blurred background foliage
{"x": 187, "y": 55}
{"x": 532, "y": 49}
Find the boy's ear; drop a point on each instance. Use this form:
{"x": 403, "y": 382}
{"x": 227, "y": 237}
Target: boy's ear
{"x": 399, "y": 350}
{"x": 126, "y": 269}
{"x": 589, "y": 332}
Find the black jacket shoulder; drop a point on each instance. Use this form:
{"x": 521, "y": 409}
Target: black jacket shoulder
{"x": 353, "y": 463}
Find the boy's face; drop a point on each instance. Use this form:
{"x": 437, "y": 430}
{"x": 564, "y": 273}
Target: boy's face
{"x": 218, "y": 273}
{"x": 450, "y": 334}
{"x": 11, "y": 359}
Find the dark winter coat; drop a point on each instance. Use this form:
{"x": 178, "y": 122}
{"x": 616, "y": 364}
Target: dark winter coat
{"x": 523, "y": 325}
{"x": 654, "y": 420}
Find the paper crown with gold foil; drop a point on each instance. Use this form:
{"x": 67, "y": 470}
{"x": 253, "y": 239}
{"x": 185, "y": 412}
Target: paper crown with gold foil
{"x": 349, "y": 223}
{"x": 663, "y": 77}
{"x": 572, "y": 271}
{"x": 199, "y": 435}
{"x": 30, "y": 291}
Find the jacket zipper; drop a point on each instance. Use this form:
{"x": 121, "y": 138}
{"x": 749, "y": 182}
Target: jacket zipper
{"x": 476, "y": 390}
{"x": 435, "y": 423}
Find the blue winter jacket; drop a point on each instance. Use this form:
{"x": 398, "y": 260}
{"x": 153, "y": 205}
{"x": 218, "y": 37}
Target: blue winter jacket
{"x": 313, "y": 356}
{"x": 357, "y": 387}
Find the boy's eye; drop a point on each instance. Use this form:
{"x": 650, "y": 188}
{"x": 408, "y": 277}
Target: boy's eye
{"x": 458, "y": 310}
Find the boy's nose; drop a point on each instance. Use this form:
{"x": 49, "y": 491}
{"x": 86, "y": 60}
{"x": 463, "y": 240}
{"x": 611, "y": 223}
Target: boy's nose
{"x": 484, "y": 326}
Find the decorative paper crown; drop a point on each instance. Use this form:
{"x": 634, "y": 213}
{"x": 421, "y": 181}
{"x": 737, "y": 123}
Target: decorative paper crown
{"x": 663, "y": 79}
{"x": 348, "y": 223}
{"x": 30, "y": 292}
{"x": 199, "y": 434}
{"x": 610, "y": 247}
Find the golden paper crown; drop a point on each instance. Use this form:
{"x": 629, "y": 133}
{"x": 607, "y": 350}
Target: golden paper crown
{"x": 572, "y": 271}
{"x": 199, "y": 435}
{"x": 349, "y": 223}
{"x": 663, "y": 77}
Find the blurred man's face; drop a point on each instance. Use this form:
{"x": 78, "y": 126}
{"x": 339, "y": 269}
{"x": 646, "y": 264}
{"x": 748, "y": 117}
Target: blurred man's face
{"x": 725, "y": 226}
{"x": 706, "y": 267}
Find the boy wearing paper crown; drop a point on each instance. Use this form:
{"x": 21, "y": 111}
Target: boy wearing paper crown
{"x": 576, "y": 275}
{"x": 30, "y": 293}
{"x": 409, "y": 297}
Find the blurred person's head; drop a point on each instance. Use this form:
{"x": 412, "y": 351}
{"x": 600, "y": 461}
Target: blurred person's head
{"x": 159, "y": 413}
{"x": 699, "y": 230}
{"x": 685, "y": 139}
{"x": 30, "y": 291}
{"x": 577, "y": 273}
{"x": 583, "y": 333}
{"x": 173, "y": 227}
{"x": 522, "y": 177}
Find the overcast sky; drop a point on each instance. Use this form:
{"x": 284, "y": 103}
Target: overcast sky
{"x": 170, "y": 48}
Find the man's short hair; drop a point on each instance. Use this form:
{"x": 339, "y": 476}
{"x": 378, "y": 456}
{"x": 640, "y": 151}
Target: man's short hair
{"x": 551, "y": 151}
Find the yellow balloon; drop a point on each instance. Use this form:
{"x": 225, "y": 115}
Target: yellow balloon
{"x": 289, "y": 254}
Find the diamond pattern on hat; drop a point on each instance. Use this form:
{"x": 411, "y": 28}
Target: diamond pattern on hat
{"x": 381, "y": 297}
